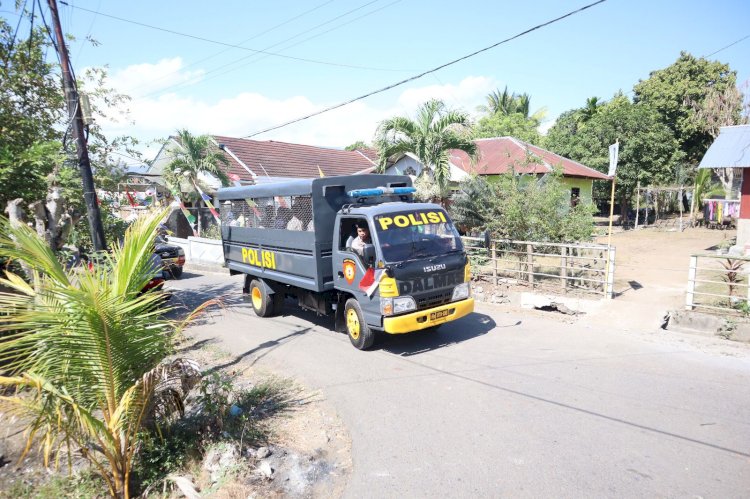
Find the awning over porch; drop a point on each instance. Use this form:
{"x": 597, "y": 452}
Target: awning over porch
{"x": 731, "y": 149}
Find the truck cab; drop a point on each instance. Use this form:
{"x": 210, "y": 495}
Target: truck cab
{"x": 410, "y": 272}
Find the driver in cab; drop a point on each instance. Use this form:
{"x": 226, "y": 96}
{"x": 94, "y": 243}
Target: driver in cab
{"x": 363, "y": 238}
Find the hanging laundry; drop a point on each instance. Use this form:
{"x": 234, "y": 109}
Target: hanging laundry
{"x": 719, "y": 210}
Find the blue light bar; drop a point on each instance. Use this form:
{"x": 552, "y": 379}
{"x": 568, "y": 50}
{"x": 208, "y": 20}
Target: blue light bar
{"x": 380, "y": 191}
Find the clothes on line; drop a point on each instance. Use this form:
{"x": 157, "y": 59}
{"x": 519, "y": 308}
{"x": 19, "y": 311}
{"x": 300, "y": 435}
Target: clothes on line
{"x": 716, "y": 210}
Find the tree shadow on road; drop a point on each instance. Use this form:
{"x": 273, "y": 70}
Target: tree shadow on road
{"x": 466, "y": 328}
{"x": 184, "y": 301}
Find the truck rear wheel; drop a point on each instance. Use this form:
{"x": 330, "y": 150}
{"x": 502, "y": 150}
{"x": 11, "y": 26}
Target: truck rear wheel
{"x": 361, "y": 336}
{"x": 264, "y": 304}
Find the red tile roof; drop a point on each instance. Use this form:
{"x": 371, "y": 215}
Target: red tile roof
{"x": 498, "y": 155}
{"x": 281, "y": 159}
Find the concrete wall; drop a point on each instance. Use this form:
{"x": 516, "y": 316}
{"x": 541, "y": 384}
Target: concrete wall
{"x": 200, "y": 251}
{"x": 743, "y": 233}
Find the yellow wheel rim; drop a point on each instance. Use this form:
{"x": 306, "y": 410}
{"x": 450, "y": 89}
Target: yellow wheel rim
{"x": 352, "y": 323}
{"x": 257, "y": 298}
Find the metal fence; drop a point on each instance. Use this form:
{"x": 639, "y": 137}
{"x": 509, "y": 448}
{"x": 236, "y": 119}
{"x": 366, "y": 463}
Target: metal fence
{"x": 718, "y": 283}
{"x": 558, "y": 268}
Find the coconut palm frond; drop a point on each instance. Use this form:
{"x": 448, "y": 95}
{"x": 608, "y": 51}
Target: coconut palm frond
{"x": 86, "y": 346}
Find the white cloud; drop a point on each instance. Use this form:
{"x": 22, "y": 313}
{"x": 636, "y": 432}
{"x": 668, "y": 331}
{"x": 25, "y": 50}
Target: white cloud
{"x": 468, "y": 94}
{"x": 145, "y": 79}
{"x": 158, "y": 116}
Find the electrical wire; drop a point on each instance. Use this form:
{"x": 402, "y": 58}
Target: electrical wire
{"x": 230, "y": 45}
{"x": 731, "y": 44}
{"x": 429, "y": 71}
{"x": 239, "y": 43}
{"x": 203, "y": 79}
{"x": 15, "y": 33}
{"x": 88, "y": 34}
{"x": 31, "y": 28}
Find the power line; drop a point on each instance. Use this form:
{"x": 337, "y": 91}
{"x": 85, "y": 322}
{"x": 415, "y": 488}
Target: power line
{"x": 731, "y": 44}
{"x": 202, "y": 78}
{"x": 272, "y": 28}
{"x": 429, "y": 71}
{"x": 216, "y": 42}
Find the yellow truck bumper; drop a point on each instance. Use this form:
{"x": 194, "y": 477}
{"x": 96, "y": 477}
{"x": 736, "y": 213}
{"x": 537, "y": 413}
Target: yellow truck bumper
{"x": 428, "y": 318}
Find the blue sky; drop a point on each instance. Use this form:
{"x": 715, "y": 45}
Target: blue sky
{"x": 179, "y": 82}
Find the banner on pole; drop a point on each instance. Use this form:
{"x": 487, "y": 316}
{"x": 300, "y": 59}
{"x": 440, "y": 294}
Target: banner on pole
{"x": 614, "y": 152}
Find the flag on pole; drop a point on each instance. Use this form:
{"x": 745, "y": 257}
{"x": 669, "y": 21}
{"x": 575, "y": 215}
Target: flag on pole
{"x": 190, "y": 218}
{"x": 614, "y": 152}
{"x": 371, "y": 280}
{"x": 130, "y": 198}
{"x": 320, "y": 172}
{"x": 207, "y": 199}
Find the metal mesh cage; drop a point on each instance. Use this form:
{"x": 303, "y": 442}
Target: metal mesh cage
{"x": 279, "y": 212}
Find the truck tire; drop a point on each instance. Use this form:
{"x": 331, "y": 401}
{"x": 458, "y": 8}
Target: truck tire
{"x": 176, "y": 272}
{"x": 263, "y": 304}
{"x": 361, "y": 336}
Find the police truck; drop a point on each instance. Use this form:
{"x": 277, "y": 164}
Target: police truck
{"x": 296, "y": 239}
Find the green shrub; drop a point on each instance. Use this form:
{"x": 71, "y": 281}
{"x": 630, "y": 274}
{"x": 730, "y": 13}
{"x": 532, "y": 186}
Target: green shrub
{"x": 524, "y": 208}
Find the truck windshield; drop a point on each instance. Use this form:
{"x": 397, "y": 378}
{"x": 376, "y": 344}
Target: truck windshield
{"x": 416, "y": 234}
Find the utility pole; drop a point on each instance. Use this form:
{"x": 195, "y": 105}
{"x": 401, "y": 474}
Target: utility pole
{"x": 76, "y": 119}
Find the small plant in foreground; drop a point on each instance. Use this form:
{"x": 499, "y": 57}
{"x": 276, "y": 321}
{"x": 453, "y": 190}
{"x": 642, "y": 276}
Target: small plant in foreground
{"x": 732, "y": 275}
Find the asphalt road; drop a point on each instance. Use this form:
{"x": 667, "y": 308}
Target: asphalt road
{"x": 511, "y": 404}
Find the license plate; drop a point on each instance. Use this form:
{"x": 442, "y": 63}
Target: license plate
{"x": 440, "y": 314}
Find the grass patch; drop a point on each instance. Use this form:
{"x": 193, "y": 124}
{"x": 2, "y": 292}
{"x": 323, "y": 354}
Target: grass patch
{"x": 221, "y": 412}
{"x": 87, "y": 484}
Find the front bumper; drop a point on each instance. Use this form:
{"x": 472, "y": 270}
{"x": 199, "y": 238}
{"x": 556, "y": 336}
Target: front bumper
{"x": 428, "y": 318}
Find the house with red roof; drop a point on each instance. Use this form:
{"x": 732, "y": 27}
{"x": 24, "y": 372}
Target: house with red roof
{"x": 501, "y": 155}
{"x": 257, "y": 161}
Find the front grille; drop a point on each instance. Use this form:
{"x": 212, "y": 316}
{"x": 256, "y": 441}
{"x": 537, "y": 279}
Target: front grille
{"x": 434, "y": 299}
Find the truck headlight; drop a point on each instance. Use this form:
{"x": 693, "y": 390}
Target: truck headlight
{"x": 403, "y": 304}
{"x": 460, "y": 292}
{"x": 399, "y": 305}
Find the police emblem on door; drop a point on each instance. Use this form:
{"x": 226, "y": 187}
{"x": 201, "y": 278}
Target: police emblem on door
{"x": 350, "y": 270}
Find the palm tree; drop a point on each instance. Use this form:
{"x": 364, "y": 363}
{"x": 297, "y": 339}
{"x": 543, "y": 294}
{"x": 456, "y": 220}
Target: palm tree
{"x": 435, "y": 131}
{"x": 499, "y": 102}
{"x": 84, "y": 349}
{"x": 198, "y": 154}
{"x": 590, "y": 109}
{"x": 507, "y": 103}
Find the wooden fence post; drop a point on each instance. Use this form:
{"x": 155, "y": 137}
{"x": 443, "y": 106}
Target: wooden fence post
{"x": 690, "y": 296}
{"x": 494, "y": 262}
{"x": 564, "y": 267}
{"x": 530, "y": 263}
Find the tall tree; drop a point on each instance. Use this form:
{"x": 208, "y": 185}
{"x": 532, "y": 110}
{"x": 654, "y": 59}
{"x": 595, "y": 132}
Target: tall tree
{"x": 649, "y": 152}
{"x": 360, "y": 144}
{"x": 507, "y": 114}
{"x": 435, "y": 131}
{"x": 688, "y": 79}
{"x": 718, "y": 109}
{"x": 31, "y": 110}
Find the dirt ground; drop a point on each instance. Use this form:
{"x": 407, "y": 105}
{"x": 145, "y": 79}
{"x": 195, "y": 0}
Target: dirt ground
{"x": 309, "y": 448}
{"x": 652, "y": 270}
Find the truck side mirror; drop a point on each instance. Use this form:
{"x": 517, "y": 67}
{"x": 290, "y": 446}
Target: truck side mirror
{"x": 368, "y": 254}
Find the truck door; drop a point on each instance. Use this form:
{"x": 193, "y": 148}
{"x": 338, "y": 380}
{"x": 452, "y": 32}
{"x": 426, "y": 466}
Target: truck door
{"x": 349, "y": 267}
